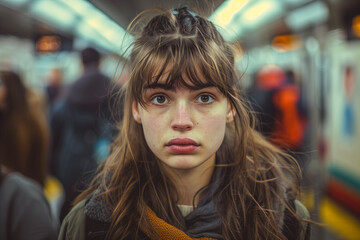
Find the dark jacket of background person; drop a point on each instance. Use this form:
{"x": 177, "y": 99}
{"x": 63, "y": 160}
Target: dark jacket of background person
{"x": 23, "y": 131}
{"x": 80, "y": 126}
{"x": 24, "y": 210}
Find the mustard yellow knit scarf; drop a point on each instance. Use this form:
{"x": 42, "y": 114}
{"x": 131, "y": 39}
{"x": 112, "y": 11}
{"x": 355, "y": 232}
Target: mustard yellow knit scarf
{"x": 165, "y": 230}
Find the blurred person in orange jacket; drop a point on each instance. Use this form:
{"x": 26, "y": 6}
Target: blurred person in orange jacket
{"x": 279, "y": 107}
{"x": 291, "y": 119}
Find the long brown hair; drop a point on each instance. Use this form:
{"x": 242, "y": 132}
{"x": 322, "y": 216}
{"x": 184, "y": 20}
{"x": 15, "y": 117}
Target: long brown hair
{"x": 24, "y": 133}
{"x": 253, "y": 180}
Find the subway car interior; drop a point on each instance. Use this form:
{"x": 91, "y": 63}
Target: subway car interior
{"x": 301, "y": 57}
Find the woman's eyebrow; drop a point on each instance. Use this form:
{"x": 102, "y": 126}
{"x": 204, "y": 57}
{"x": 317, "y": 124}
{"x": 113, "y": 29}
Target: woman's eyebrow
{"x": 172, "y": 88}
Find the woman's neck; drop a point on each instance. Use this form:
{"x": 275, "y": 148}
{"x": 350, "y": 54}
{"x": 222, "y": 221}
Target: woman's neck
{"x": 189, "y": 181}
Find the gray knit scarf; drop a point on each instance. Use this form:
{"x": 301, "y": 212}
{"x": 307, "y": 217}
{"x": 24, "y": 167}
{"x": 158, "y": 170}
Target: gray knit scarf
{"x": 203, "y": 221}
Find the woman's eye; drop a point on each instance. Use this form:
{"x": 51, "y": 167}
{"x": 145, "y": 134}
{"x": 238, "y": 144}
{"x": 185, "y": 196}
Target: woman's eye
{"x": 205, "y": 98}
{"x": 159, "y": 100}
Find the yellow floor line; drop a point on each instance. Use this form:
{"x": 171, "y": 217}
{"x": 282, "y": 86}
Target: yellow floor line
{"x": 340, "y": 222}
{"x": 53, "y": 188}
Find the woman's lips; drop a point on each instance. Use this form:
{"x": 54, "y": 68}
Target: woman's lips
{"x": 182, "y": 145}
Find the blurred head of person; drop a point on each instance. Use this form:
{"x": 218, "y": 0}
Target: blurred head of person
{"x": 270, "y": 77}
{"x": 90, "y": 57}
{"x": 12, "y": 93}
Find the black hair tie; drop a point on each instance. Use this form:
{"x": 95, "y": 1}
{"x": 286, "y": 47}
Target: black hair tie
{"x": 185, "y": 9}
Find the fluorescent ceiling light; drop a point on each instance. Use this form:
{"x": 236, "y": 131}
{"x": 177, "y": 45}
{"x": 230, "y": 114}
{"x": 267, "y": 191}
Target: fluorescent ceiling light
{"x": 96, "y": 23}
{"x": 234, "y": 18}
{"x": 226, "y": 11}
{"x": 84, "y": 20}
{"x": 87, "y": 32}
{"x": 261, "y": 12}
{"x": 55, "y": 12}
{"x": 80, "y": 7}
{"x": 14, "y": 2}
{"x": 225, "y": 14}
{"x": 316, "y": 12}
{"x": 295, "y": 2}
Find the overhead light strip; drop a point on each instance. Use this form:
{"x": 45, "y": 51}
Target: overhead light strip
{"x": 80, "y": 18}
{"x": 233, "y": 18}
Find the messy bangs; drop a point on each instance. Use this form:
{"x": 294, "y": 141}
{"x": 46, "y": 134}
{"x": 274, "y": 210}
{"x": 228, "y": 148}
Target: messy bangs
{"x": 203, "y": 66}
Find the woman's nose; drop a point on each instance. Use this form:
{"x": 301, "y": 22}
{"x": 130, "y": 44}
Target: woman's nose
{"x": 182, "y": 119}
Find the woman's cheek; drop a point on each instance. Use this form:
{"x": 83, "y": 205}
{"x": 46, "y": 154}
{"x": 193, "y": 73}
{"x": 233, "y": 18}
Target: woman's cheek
{"x": 215, "y": 124}
{"x": 152, "y": 127}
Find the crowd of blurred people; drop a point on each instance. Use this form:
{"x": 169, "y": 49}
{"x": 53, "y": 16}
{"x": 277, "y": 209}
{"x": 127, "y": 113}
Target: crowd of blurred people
{"x": 64, "y": 133}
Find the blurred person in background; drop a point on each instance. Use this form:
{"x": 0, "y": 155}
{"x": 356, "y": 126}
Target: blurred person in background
{"x": 280, "y": 109}
{"x": 24, "y": 133}
{"x": 54, "y": 86}
{"x": 80, "y": 128}
{"x": 24, "y": 210}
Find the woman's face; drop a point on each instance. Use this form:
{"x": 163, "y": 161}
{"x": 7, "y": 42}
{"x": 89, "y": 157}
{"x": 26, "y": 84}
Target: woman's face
{"x": 184, "y": 128}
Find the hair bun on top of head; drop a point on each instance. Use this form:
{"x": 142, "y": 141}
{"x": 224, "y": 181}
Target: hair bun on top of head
{"x": 186, "y": 23}
{"x": 187, "y": 19}
{"x": 184, "y": 9}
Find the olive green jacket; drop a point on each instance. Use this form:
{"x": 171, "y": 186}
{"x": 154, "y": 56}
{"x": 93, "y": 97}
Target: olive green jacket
{"x": 73, "y": 225}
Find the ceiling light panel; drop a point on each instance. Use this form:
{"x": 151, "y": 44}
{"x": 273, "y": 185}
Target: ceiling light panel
{"x": 53, "y": 11}
{"x": 225, "y": 13}
{"x": 310, "y": 14}
{"x": 234, "y": 17}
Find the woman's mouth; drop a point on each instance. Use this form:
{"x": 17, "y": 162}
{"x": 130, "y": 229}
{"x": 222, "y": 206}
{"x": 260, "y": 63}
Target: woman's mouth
{"x": 182, "y": 145}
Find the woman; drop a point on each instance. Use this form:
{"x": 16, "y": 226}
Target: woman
{"x": 187, "y": 163}
{"x": 23, "y": 130}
